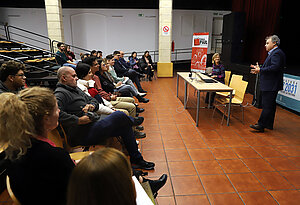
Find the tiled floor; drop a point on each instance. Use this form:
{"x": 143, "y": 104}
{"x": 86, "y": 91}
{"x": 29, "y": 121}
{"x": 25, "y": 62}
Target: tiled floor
{"x": 216, "y": 164}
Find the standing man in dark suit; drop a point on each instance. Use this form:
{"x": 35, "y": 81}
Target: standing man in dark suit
{"x": 271, "y": 81}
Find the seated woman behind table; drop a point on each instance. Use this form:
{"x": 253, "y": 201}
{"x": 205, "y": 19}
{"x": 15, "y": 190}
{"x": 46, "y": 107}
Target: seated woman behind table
{"x": 39, "y": 171}
{"x": 218, "y": 73}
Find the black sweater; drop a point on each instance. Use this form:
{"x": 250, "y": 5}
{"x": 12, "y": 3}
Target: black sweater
{"x": 41, "y": 176}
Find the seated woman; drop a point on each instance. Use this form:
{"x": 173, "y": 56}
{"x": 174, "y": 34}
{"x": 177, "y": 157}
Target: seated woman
{"x": 86, "y": 83}
{"x": 108, "y": 84}
{"x": 147, "y": 65}
{"x": 134, "y": 62}
{"x": 69, "y": 53}
{"x": 105, "y": 177}
{"x": 218, "y": 73}
{"x": 39, "y": 171}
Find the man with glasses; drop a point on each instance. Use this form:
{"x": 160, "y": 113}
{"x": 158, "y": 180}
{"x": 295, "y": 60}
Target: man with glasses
{"x": 12, "y": 78}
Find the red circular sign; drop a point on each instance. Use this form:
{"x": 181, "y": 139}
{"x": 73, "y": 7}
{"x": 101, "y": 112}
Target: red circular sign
{"x": 166, "y": 29}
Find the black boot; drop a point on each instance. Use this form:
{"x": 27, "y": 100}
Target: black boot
{"x": 141, "y": 99}
{"x": 156, "y": 184}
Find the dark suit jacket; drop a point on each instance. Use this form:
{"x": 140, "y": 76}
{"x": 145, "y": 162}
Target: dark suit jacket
{"x": 120, "y": 69}
{"x": 271, "y": 73}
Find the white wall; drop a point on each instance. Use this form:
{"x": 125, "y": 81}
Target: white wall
{"x": 115, "y": 29}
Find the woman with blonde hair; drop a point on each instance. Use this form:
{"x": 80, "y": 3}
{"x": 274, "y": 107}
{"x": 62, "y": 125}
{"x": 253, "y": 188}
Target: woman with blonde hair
{"x": 104, "y": 177}
{"x": 218, "y": 73}
{"x": 39, "y": 171}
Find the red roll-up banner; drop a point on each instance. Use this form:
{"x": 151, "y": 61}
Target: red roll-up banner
{"x": 199, "y": 52}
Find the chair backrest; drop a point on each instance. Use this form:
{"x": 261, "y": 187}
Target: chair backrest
{"x": 55, "y": 137}
{"x": 227, "y": 77}
{"x": 240, "y": 90}
{"x": 10, "y": 192}
{"x": 235, "y": 80}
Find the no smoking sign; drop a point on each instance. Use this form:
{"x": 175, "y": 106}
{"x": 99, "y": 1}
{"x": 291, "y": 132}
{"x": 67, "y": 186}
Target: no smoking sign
{"x": 165, "y": 30}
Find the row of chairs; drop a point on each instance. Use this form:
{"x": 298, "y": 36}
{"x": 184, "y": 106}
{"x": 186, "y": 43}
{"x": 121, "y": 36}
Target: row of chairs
{"x": 222, "y": 98}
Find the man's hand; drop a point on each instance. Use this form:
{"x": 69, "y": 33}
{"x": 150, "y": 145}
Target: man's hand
{"x": 119, "y": 83}
{"x": 84, "y": 120}
{"x": 113, "y": 97}
{"x": 88, "y": 107}
{"x": 255, "y": 69}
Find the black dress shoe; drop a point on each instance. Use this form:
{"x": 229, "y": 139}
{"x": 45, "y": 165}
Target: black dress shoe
{"x": 142, "y": 91}
{"x": 257, "y": 127}
{"x": 142, "y": 164}
{"x": 139, "y": 135}
{"x": 156, "y": 185}
{"x": 140, "y": 110}
{"x": 144, "y": 100}
{"x": 139, "y": 127}
{"x": 138, "y": 121}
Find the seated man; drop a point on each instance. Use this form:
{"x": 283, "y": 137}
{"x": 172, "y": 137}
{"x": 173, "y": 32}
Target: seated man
{"x": 61, "y": 58}
{"x": 121, "y": 71}
{"x": 12, "y": 78}
{"x": 124, "y": 80}
{"x": 78, "y": 118}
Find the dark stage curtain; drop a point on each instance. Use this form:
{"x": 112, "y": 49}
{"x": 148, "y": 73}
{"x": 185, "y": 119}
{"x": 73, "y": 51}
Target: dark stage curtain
{"x": 262, "y": 19}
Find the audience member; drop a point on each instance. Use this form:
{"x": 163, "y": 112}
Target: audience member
{"x": 104, "y": 177}
{"x": 124, "y": 80}
{"x": 99, "y": 55}
{"x": 121, "y": 71}
{"x": 94, "y": 53}
{"x": 84, "y": 55}
{"x": 12, "y": 78}
{"x": 122, "y": 60}
{"x": 61, "y": 57}
{"x": 69, "y": 53}
{"x": 86, "y": 84}
{"x": 134, "y": 62}
{"x": 147, "y": 65}
{"x": 39, "y": 171}
{"x": 83, "y": 127}
{"x": 109, "y": 85}
{"x": 118, "y": 102}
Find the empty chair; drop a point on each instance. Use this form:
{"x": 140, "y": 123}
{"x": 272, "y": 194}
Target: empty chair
{"x": 234, "y": 82}
{"x": 240, "y": 89}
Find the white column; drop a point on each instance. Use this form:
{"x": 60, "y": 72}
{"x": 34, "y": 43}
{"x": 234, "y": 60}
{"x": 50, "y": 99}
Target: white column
{"x": 164, "y": 66}
{"x": 54, "y": 20}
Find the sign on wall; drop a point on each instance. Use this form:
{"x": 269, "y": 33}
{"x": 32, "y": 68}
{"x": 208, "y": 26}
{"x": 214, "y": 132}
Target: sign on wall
{"x": 165, "y": 30}
{"x": 290, "y": 95}
{"x": 199, "y": 52}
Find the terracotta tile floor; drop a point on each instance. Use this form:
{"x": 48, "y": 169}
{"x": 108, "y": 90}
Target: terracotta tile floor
{"x": 216, "y": 164}
{"x": 213, "y": 163}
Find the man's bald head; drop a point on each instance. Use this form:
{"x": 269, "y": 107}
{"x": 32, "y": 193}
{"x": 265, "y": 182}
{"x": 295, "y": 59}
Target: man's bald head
{"x": 67, "y": 76}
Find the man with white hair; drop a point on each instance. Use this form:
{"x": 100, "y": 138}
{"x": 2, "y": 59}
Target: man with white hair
{"x": 271, "y": 81}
